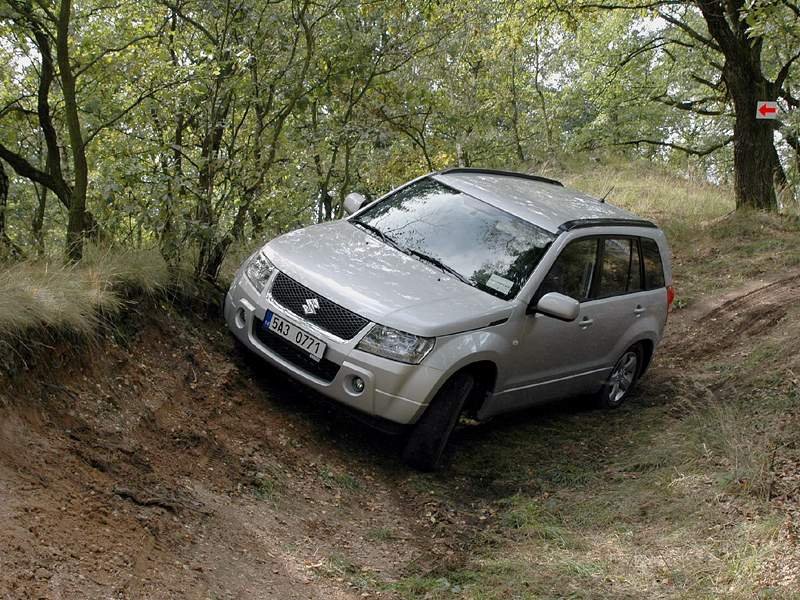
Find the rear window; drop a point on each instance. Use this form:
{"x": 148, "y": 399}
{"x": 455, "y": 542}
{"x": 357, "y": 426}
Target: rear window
{"x": 620, "y": 272}
{"x": 653, "y": 267}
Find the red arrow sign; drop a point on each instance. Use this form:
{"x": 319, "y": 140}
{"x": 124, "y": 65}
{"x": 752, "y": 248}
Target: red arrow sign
{"x": 766, "y": 110}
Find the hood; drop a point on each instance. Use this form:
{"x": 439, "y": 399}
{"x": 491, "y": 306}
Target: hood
{"x": 358, "y": 271}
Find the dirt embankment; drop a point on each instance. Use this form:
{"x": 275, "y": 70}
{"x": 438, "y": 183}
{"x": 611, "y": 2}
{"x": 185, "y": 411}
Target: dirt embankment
{"x": 170, "y": 466}
{"x": 167, "y": 465}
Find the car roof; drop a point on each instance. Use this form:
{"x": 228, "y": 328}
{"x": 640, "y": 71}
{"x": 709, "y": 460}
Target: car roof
{"x": 542, "y": 201}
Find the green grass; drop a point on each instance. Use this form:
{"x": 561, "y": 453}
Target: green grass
{"x": 667, "y": 505}
{"x": 714, "y": 248}
{"x": 265, "y": 487}
{"x": 343, "y": 481}
{"x": 380, "y": 534}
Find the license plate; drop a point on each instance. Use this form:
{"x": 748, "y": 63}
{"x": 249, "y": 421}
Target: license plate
{"x": 292, "y": 333}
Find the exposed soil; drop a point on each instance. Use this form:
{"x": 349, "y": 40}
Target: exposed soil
{"x": 165, "y": 464}
{"x": 173, "y": 467}
{"x": 737, "y": 317}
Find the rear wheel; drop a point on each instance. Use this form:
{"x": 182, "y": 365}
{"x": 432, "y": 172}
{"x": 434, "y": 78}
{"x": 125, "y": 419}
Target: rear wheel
{"x": 622, "y": 378}
{"x": 429, "y": 436}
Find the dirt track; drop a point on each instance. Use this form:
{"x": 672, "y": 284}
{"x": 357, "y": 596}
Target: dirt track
{"x": 167, "y": 465}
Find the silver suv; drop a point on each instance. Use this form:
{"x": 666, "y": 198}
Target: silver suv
{"x": 466, "y": 291}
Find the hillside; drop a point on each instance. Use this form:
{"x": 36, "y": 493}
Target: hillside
{"x": 153, "y": 460}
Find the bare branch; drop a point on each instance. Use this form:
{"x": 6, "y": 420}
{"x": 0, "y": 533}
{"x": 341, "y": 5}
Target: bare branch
{"x": 784, "y": 72}
{"x": 695, "y": 106}
{"x": 694, "y": 34}
{"x": 23, "y": 168}
{"x": 718, "y": 26}
{"x": 687, "y": 150}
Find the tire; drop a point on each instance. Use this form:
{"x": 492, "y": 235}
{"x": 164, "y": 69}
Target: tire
{"x": 622, "y": 379}
{"x": 428, "y": 438}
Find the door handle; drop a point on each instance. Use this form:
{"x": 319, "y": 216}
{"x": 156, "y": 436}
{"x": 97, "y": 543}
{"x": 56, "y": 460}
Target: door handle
{"x": 639, "y": 310}
{"x": 585, "y": 322}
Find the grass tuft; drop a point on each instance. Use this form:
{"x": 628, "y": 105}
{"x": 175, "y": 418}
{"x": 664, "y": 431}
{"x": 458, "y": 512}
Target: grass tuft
{"x": 72, "y": 299}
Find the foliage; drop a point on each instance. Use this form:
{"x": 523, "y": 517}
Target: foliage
{"x": 200, "y": 127}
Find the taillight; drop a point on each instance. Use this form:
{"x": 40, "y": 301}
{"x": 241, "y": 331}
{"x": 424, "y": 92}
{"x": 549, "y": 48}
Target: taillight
{"x": 670, "y": 295}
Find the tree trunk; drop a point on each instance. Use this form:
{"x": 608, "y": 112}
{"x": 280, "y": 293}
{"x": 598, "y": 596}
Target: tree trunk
{"x": 76, "y": 223}
{"x": 755, "y": 160}
{"x": 3, "y": 201}
{"x": 38, "y": 219}
{"x": 7, "y": 246}
{"x": 515, "y": 109}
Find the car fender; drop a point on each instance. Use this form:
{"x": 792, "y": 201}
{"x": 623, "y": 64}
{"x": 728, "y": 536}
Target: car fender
{"x": 456, "y": 352}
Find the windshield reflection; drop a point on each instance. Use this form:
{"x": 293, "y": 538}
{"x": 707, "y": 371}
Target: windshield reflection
{"x": 481, "y": 244}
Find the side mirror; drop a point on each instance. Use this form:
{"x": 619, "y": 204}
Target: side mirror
{"x": 558, "y": 306}
{"x": 352, "y": 202}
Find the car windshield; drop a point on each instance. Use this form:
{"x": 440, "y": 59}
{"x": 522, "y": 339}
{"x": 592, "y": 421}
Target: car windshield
{"x": 480, "y": 244}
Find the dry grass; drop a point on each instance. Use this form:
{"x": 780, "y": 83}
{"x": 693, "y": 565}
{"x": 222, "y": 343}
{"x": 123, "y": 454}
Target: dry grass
{"x": 679, "y": 204}
{"x": 35, "y": 295}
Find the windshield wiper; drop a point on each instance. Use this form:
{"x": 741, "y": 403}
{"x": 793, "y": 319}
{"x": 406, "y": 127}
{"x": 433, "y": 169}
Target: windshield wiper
{"x": 378, "y": 232}
{"x": 437, "y": 263}
{"x": 421, "y": 255}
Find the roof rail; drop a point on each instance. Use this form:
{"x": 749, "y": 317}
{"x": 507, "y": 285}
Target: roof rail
{"x": 583, "y": 223}
{"x": 499, "y": 172}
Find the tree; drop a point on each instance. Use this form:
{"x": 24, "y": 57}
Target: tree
{"x": 731, "y": 37}
{"x": 53, "y": 32}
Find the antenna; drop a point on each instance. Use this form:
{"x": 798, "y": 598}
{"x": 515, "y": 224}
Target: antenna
{"x": 603, "y": 199}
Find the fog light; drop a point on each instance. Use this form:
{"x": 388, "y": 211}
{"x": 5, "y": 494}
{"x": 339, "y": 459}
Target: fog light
{"x": 358, "y": 385}
{"x": 241, "y": 318}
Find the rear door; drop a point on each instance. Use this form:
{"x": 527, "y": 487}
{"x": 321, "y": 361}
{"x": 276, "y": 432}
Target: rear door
{"x": 616, "y": 302}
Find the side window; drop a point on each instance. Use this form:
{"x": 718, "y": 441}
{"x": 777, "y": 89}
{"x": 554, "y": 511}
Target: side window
{"x": 620, "y": 272}
{"x": 635, "y": 281}
{"x": 653, "y": 268}
{"x": 572, "y": 272}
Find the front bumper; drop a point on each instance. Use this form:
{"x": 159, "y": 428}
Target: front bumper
{"x": 392, "y": 390}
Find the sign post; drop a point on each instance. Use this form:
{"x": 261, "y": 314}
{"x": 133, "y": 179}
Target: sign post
{"x": 766, "y": 109}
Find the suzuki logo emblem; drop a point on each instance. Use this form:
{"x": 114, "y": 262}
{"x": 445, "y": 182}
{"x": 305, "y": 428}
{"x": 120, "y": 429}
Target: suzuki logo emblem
{"x": 311, "y": 306}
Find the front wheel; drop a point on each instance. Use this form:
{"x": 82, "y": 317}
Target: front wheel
{"x": 622, "y": 378}
{"x": 429, "y": 436}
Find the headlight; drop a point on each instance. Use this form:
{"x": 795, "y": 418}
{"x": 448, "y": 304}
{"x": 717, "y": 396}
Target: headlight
{"x": 258, "y": 270}
{"x": 397, "y": 345}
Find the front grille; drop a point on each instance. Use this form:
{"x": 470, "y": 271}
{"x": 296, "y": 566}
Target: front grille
{"x": 331, "y": 317}
{"x": 325, "y": 369}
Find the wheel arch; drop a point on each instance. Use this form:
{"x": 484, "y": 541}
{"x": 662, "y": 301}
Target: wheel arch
{"x": 648, "y": 349}
{"x": 485, "y": 373}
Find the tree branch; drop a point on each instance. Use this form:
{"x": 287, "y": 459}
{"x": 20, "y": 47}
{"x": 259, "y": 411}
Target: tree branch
{"x": 694, "y": 106}
{"x": 25, "y": 169}
{"x": 718, "y": 26}
{"x": 689, "y": 30}
{"x": 784, "y": 72}
{"x": 148, "y": 94}
{"x": 687, "y": 150}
